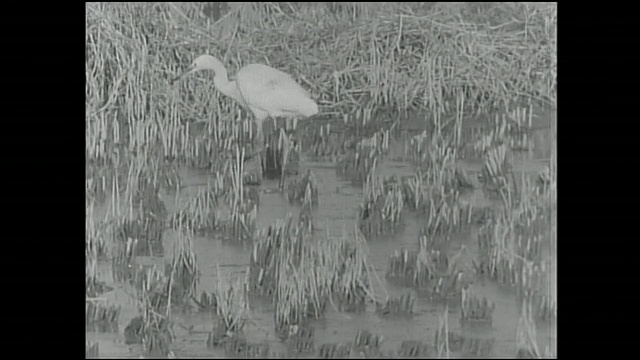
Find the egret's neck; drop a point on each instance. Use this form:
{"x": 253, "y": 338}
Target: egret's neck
{"x": 222, "y": 83}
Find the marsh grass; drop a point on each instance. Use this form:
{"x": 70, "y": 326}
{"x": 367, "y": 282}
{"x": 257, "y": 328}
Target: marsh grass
{"x": 513, "y": 128}
{"x": 512, "y": 243}
{"x": 468, "y": 345}
{"x": 290, "y": 299}
{"x": 434, "y": 153}
{"x": 146, "y": 196}
{"x": 135, "y": 189}
{"x": 94, "y": 249}
{"x": 237, "y": 347}
{"x": 381, "y": 210}
{"x": 154, "y": 287}
{"x": 429, "y": 270}
{"x": 142, "y": 236}
{"x": 402, "y": 267}
{"x": 451, "y": 273}
{"x": 497, "y": 167}
{"x": 170, "y": 179}
{"x": 446, "y": 213}
{"x": 441, "y": 176}
{"x": 95, "y": 287}
{"x": 449, "y": 285}
{"x": 542, "y": 306}
{"x": 271, "y": 245}
{"x": 201, "y": 213}
{"x": 243, "y": 212}
{"x": 326, "y": 141}
{"x": 367, "y": 344}
{"x": 184, "y": 269}
{"x": 158, "y": 335}
{"x": 305, "y": 218}
{"x": 437, "y": 186}
{"x": 231, "y": 297}
{"x": 208, "y": 302}
{"x": 92, "y": 350}
{"x": 415, "y": 349}
{"x": 526, "y": 340}
{"x": 282, "y": 149}
{"x": 298, "y": 188}
{"x": 443, "y": 206}
{"x": 104, "y": 235}
{"x": 335, "y": 351}
{"x": 302, "y": 341}
{"x": 290, "y": 156}
{"x": 357, "y": 165}
{"x": 517, "y": 246}
{"x": 123, "y": 261}
{"x": 364, "y": 153}
{"x": 441, "y": 339}
{"x": 154, "y": 328}
{"x": 352, "y": 284}
{"x": 415, "y": 268}
{"x": 477, "y": 346}
{"x": 475, "y": 311}
{"x": 305, "y": 287}
{"x": 413, "y": 191}
{"x": 101, "y": 318}
{"x": 430, "y": 240}
{"x": 301, "y": 277}
{"x": 401, "y": 306}
{"x": 97, "y": 183}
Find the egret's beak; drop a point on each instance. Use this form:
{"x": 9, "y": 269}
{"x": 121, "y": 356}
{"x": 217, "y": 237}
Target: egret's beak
{"x": 186, "y": 72}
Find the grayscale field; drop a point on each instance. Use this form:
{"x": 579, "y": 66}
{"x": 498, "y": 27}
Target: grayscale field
{"x": 414, "y": 215}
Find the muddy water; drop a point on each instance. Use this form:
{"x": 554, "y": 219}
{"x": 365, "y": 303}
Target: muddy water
{"x": 336, "y": 215}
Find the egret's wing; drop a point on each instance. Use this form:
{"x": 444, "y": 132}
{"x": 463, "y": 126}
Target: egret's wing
{"x": 270, "y": 90}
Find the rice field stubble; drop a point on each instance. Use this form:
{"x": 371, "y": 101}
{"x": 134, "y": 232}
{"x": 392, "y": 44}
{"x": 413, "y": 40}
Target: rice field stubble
{"x": 433, "y": 161}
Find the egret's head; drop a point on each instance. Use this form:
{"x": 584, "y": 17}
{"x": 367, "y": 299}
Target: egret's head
{"x": 202, "y": 62}
{"x": 205, "y": 62}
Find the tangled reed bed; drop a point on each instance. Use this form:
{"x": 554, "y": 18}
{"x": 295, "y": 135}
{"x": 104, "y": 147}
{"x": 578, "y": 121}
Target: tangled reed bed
{"x": 131, "y": 50}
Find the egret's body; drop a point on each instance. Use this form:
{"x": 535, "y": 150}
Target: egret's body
{"x": 266, "y": 91}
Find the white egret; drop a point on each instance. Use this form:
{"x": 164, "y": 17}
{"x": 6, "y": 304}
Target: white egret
{"x": 266, "y": 91}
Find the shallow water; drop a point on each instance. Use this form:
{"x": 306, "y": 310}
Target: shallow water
{"x": 335, "y": 215}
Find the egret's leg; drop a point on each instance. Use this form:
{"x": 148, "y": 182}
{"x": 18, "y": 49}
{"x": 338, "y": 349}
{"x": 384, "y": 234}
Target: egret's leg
{"x": 260, "y": 146}
{"x": 258, "y": 142}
